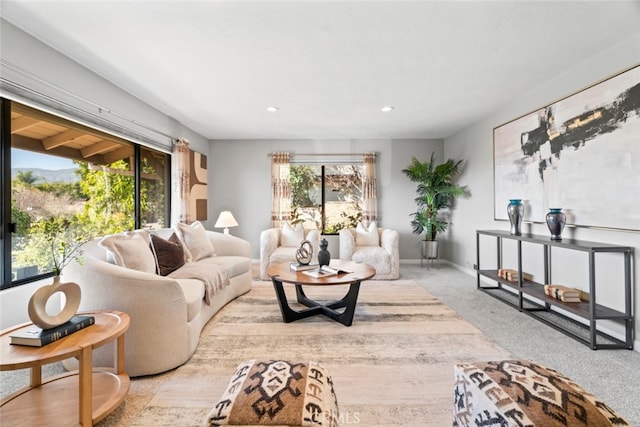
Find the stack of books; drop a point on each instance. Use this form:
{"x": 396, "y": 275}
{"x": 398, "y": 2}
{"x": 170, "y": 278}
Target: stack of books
{"x": 512, "y": 275}
{"x": 35, "y": 337}
{"x": 563, "y": 293}
{"x": 296, "y": 266}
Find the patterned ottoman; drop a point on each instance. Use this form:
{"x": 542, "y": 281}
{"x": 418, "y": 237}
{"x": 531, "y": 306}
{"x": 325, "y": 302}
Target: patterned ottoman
{"x": 277, "y": 393}
{"x": 522, "y": 393}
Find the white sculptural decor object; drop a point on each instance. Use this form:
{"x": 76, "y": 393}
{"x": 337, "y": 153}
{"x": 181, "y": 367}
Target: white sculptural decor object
{"x": 38, "y": 304}
{"x": 55, "y": 231}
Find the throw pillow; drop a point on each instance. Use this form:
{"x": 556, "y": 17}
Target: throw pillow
{"x": 291, "y": 236}
{"x": 169, "y": 253}
{"x": 130, "y": 250}
{"x": 196, "y": 240}
{"x": 367, "y": 236}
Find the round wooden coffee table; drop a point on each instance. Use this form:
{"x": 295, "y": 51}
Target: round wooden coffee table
{"x": 281, "y": 273}
{"x": 93, "y": 392}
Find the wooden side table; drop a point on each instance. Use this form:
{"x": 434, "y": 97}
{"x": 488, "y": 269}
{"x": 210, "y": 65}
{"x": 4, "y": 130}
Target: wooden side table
{"x": 97, "y": 391}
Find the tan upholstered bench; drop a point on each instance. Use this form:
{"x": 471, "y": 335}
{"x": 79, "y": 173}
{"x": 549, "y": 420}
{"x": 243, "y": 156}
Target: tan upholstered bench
{"x": 277, "y": 393}
{"x": 523, "y": 393}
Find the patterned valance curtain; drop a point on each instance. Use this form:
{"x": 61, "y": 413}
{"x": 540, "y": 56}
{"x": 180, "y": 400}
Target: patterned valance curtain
{"x": 369, "y": 193}
{"x": 180, "y": 183}
{"x": 280, "y": 189}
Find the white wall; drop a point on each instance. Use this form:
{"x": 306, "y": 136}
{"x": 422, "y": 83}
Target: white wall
{"x": 239, "y": 180}
{"x": 475, "y": 144}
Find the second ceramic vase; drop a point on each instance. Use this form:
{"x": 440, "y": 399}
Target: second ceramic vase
{"x": 556, "y": 220}
{"x": 515, "y": 210}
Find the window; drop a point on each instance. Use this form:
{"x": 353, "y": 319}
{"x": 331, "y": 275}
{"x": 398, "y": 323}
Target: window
{"x": 153, "y": 189}
{"x": 327, "y": 197}
{"x": 76, "y": 180}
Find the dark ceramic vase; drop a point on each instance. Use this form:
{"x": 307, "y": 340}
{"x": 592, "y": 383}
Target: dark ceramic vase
{"x": 556, "y": 220}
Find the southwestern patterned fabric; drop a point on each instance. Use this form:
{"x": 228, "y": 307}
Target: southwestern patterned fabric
{"x": 277, "y": 393}
{"x": 522, "y": 393}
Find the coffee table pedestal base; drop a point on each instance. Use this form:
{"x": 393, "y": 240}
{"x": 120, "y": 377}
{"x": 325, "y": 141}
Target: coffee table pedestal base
{"x": 348, "y": 302}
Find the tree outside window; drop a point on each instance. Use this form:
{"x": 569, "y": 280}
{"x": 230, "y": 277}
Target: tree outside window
{"x": 66, "y": 182}
{"x": 326, "y": 197}
{"x": 92, "y": 200}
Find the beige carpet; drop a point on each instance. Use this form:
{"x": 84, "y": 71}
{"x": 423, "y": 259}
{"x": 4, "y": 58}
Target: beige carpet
{"x": 394, "y": 366}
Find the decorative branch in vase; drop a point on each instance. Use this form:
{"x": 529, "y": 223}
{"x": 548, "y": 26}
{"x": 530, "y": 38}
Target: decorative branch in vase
{"x": 56, "y": 231}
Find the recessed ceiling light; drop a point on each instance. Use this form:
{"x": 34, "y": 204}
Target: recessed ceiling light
{"x": 272, "y": 109}
{"x": 387, "y": 108}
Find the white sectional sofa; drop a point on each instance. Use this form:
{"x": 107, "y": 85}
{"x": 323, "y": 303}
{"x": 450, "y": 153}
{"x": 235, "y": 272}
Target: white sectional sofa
{"x": 167, "y": 312}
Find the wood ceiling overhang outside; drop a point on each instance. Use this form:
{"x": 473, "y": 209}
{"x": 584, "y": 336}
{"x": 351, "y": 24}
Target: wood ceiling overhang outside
{"x": 37, "y": 131}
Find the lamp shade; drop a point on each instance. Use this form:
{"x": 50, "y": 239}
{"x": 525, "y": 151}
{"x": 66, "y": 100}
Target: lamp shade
{"x": 226, "y": 220}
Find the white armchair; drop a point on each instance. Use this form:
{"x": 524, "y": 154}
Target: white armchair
{"x": 384, "y": 257}
{"x": 280, "y": 244}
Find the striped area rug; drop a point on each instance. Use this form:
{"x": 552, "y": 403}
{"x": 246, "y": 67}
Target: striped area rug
{"x": 394, "y": 366}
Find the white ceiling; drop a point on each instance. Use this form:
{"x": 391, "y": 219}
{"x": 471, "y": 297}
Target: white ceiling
{"x": 328, "y": 65}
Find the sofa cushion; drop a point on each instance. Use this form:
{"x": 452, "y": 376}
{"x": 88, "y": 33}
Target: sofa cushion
{"x": 373, "y": 255}
{"x": 193, "y": 290}
{"x": 291, "y": 236}
{"x": 169, "y": 253}
{"x": 130, "y": 250}
{"x": 196, "y": 241}
{"x": 367, "y": 236}
{"x": 235, "y": 265}
{"x": 282, "y": 254}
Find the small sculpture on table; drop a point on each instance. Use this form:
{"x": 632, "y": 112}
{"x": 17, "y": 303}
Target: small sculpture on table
{"x": 37, "y": 307}
{"x": 304, "y": 254}
{"x": 323, "y": 255}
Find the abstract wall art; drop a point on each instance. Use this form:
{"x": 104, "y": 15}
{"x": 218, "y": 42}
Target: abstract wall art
{"x": 581, "y": 154}
{"x": 198, "y": 183}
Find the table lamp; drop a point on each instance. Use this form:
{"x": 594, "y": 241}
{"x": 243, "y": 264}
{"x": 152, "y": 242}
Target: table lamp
{"x": 226, "y": 220}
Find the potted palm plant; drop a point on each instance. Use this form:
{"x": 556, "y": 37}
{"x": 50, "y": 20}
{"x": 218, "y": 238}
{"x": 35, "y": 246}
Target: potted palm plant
{"x": 436, "y": 191}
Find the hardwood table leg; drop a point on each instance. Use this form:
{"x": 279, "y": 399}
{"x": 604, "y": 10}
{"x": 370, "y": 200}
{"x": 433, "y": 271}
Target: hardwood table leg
{"x": 36, "y": 376}
{"x": 119, "y": 365}
{"x": 86, "y": 386}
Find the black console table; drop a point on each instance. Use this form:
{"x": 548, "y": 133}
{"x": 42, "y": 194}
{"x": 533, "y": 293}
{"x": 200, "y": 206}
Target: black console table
{"x": 531, "y": 298}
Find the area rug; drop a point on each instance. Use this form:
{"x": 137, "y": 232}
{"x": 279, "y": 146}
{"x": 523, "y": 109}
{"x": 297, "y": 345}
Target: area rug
{"x": 393, "y": 366}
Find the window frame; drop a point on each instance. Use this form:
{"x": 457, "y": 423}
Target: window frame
{"x": 5, "y": 183}
{"x": 323, "y": 182}
{"x": 5, "y": 202}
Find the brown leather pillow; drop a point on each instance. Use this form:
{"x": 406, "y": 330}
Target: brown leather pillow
{"x": 169, "y": 253}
